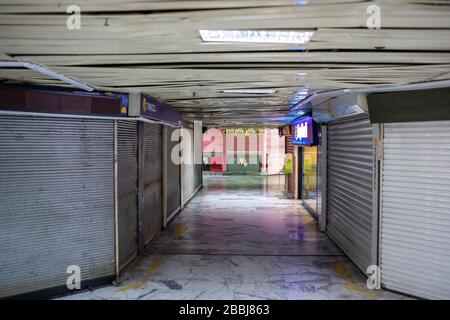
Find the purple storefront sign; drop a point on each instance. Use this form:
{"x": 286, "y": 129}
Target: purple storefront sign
{"x": 304, "y": 132}
{"x": 154, "y": 109}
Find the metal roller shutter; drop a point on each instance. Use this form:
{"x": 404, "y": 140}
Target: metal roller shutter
{"x": 127, "y": 144}
{"x": 415, "y": 223}
{"x": 350, "y": 171}
{"x": 198, "y": 154}
{"x": 173, "y": 172}
{"x": 57, "y": 202}
{"x": 152, "y": 181}
{"x": 187, "y": 169}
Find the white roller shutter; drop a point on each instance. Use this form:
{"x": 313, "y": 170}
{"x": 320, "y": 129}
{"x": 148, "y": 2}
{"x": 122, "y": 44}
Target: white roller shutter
{"x": 187, "y": 167}
{"x": 350, "y": 172}
{"x": 415, "y": 224}
{"x": 57, "y": 202}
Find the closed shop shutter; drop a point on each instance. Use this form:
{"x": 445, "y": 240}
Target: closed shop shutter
{"x": 127, "y": 145}
{"x": 57, "y": 202}
{"x": 415, "y": 216}
{"x": 350, "y": 171}
{"x": 152, "y": 181}
{"x": 187, "y": 168}
{"x": 173, "y": 172}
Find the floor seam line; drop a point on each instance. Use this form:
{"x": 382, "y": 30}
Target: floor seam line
{"x": 247, "y": 255}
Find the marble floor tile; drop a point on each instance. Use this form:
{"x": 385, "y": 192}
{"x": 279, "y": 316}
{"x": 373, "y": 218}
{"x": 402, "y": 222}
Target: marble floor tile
{"x": 239, "y": 238}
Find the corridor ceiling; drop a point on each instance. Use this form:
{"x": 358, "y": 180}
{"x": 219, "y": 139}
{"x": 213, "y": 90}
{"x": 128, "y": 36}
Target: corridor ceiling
{"x": 155, "y": 47}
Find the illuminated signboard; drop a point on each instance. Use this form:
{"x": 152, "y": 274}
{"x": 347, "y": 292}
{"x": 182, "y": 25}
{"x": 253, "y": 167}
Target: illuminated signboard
{"x": 158, "y": 110}
{"x": 243, "y": 131}
{"x": 304, "y": 132}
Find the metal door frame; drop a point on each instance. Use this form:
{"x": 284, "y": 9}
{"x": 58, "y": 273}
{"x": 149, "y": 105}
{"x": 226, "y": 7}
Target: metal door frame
{"x": 323, "y": 154}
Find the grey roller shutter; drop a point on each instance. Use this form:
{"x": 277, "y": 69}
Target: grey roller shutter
{"x": 350, "y": 169}
{"x": 57, "y": 202}
{"x": 127, "y": 144}
{"x": 173, "y": 172}
{"x": 415, "y": 216}
{"x": 152, "y": 181}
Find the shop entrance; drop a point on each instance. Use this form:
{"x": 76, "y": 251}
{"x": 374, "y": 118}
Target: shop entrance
{"x": 309, "y": 192}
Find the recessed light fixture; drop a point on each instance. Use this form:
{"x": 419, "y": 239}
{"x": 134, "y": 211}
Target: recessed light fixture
{"x": 255, "y": 36}
{"x": 300, "y": 3}
{"x": 250, "y": 91}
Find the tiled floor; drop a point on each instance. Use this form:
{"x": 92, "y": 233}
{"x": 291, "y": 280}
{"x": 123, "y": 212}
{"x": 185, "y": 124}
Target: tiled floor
{"x": 239, "y": 238}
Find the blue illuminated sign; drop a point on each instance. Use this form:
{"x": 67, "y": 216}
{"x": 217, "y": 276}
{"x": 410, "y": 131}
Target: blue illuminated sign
{"x": 304, "y": 132}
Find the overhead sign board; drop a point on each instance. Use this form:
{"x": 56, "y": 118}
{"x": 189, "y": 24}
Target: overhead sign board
{"x": 243, "y": 131}
{"x": 340, "y": 107}
{"x": 155, "y": 109}
{"x": 304, "y": 132}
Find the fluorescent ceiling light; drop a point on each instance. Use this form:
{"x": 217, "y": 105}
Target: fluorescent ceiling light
{"x": 255, "y": 36}
{"x": 250, "y": 91}
{"x": 50, "y": 73}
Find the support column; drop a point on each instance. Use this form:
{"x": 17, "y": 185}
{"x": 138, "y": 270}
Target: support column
{"x": 164, "y": 179}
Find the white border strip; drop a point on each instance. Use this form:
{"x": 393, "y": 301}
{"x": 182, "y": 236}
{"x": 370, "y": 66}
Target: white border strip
{"x": 50, "y": 73}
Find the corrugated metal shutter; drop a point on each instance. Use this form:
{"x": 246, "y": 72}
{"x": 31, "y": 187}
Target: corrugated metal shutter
{"x": 128, "y": 194}
{"x": 350, "y": 170}
{"x": 415, "y": 223}
{"x": 173, "y": 172}
{"x": 187, "y": 168}
{"x": 152, "y": 181}
{"x": 57, "y": 201}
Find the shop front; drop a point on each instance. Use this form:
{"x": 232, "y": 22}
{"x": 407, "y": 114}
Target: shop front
{"x": 244, "y": 150}
{"x": 305, "y": 139}
{"x": 414, "y": 226}
{"x": 309, "y": 176}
